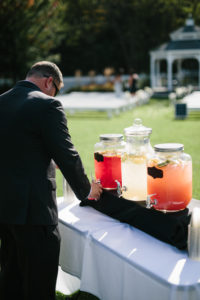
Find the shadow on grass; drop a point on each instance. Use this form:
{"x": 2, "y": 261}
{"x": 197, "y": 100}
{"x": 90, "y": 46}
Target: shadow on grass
{"x": 76, "y": 296}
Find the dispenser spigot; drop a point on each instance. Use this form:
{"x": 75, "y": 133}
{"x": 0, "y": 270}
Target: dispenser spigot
{"x": 150, "y": 202}
{"x": 120, "y": 189}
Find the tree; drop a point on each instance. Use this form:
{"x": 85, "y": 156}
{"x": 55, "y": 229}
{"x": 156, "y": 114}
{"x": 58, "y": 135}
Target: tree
{"x": 87, "y": 34}
{"x": 29, "y": 31}
{"x": 83, "y": 26}
{"x": 119, "y": 33}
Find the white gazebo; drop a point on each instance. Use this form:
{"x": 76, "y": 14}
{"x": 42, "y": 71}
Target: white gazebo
{"x": 184, "y": 44}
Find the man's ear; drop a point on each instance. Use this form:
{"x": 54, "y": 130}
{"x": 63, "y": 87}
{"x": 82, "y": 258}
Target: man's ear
{"x": 48, "y": 82}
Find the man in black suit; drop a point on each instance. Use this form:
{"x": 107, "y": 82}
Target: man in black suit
{"x": 33, "y": 134}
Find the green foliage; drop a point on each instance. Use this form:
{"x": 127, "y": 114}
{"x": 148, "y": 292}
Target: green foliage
{"x": 29, "y": 31}
{"x": 119, "y": 33}
{"x": 87, "y": 34}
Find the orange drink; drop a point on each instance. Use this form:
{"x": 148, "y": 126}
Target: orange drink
{"x": 170, "y": 181}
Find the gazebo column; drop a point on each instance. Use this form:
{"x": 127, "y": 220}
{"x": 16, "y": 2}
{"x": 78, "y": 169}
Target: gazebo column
{"x": 153, "y": 77}
{"x": 179, "y": 70}
{"x": 158, "y": 81}
{"x": 169, "y": 73}
{"x": 199, "y": 73}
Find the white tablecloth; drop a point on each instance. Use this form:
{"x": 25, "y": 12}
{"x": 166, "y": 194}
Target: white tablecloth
{"x": 115, "y": 261}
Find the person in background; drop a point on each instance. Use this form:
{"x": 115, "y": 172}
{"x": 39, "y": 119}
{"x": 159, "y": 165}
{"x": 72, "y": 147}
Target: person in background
{"x": 34, "y": 135}
{"x": 133, "y": 81}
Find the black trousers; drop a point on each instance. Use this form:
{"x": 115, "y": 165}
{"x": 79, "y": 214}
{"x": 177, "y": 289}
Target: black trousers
{"x": 29, "y": 257}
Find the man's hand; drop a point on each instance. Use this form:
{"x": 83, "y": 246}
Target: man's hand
{"x": 96, "y": 190}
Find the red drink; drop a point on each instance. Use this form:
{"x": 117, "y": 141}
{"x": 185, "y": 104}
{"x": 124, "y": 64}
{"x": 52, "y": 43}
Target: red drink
{"x": 107, "y": 169}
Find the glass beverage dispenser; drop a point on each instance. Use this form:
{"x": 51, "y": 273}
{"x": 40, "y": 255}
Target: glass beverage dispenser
{"x": 169, "y": 181}
{"x": 107, "y": 160}
{"x": 134, "y": 161}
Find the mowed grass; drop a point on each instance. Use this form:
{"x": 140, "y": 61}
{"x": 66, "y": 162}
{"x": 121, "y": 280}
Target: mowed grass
{"x": 85, "y": 129}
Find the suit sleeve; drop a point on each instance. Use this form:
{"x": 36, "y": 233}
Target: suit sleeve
{"x": 58, "y": 142}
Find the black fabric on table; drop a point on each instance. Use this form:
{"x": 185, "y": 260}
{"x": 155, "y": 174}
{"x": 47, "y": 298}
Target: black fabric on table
{"x": 171, "y": 228}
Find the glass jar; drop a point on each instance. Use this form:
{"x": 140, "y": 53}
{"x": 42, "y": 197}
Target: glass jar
{"x": 134, "y": 161}
{"x": 107, "y": 160}
{"x": 170, "y": 177}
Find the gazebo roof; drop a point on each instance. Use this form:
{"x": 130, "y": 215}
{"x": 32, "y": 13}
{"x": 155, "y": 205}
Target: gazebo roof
{"x": 180, "y": 45}
{"x": 184, "y": 38}
{"x": 189, "y": 28}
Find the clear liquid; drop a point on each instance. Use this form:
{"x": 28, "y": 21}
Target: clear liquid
{"x": 134, "y": 178}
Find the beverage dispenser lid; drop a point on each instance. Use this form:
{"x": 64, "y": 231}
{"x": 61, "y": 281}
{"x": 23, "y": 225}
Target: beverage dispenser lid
{"x": 137, "y": 129}
{"x": 114, "y": 137}
{"x": 169, "y": 147}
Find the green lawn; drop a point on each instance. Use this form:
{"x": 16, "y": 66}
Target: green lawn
{"x": 85, "y": 129}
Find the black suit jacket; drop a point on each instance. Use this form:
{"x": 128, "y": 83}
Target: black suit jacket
{"x": 33, "y": 134}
